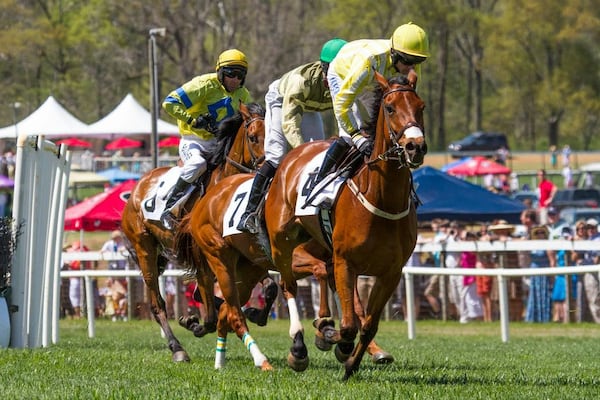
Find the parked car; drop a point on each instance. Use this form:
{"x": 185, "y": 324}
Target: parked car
{"x": 576, "y": 197}
{"x": 570, "y": 215}
{"x": 478, "y": 143}
{"x": 523, "y": 195}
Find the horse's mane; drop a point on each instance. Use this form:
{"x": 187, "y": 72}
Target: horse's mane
{"x": 371, "y": 125}
{"x": 227, "y": 131}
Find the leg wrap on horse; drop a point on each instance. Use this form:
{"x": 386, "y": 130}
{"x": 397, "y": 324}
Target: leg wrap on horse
{"x": 259, "y": 188}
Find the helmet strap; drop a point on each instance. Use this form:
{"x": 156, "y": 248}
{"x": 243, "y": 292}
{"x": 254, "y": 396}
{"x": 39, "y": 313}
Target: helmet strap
{"x": 395, "y": 59}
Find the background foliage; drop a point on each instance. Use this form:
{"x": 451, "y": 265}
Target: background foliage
{"x": 528, "y": 69}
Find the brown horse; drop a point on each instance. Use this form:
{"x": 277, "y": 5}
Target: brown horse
{"x": 239, "y": 149}
{"x": 230, "y": 257}
{"x": 374, "y": 217}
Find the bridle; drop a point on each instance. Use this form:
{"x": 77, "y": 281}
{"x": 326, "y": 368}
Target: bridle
{"x": 255, "y": 159}
{"x": 396, "y": 151}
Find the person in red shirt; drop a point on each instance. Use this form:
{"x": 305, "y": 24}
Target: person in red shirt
{"x": 546, "y": 191}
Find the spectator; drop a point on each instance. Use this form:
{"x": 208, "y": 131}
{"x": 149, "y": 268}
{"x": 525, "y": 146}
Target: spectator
{"x": 560, "y": 312}
{"x": 470, "y": 302}
{"x": 116, "y": 293}
{"x": 539, "y": 299}
{"x": 546, "y": 192}
{"x": 591, "y": 284}
{"x": 116, "y": 244}
{"x": 567, "y": 174}
{"x": 452, "y": 260}
{"x": 76, "y": 283}
{"x": 553, "y": 156}
{"x": 566, "y": 155}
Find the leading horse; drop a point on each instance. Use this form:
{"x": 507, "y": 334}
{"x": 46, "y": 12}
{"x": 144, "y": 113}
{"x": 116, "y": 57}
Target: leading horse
{"x": 239, "y": 149}
{"x": 374, "y": 217}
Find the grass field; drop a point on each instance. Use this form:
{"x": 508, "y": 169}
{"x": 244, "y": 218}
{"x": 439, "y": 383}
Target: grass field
{"x": 447, "y": 360}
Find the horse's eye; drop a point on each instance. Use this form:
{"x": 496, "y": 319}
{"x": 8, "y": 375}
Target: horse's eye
{"x": 253, "y": 139}
{"x": 390, "y": 109}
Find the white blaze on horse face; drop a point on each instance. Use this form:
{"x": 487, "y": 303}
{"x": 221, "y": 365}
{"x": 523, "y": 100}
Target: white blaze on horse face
{"x": 413, "y": 132}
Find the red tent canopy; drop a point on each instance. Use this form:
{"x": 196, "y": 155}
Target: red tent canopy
{"x": 101, "y": 212}
{"x": 124, "y": 143}
{"x": 478, "y": 166}
{"x": 171, "y": 141}
{"x": 74, "y": 142}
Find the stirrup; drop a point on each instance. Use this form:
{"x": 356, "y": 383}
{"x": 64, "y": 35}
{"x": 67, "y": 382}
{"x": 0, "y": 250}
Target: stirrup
{"x": 168, "y": 220}
{"x": 248, "y": 223}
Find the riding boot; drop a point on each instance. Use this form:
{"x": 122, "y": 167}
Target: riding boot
{"x": 333, "y": 157}
{"x": 177, "y": 192}
{"x": 260, "y": 185}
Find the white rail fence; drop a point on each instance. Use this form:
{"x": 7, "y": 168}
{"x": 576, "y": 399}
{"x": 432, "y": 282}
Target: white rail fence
{"x": 410, "y": 272}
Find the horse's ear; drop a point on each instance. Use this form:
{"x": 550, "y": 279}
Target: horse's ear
{"x": 382, "y": 81}
{"x": 244, "y": 111}
{"x": 412, "y": 78}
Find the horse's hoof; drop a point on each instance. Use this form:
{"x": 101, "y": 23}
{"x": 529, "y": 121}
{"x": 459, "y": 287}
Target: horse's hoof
{"x": 266, "y": 366}
{"x": 343, "y": 350}
{"x": 188, "y": 322}
{"x": 382, "y": 357}
{"x": 181, "y": 356}
{"x": 322, "y": 343}
{"x": 297, "y": 364}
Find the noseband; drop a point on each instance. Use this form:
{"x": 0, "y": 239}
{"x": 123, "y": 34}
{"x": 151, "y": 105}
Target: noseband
{"x": 255, "y": 159}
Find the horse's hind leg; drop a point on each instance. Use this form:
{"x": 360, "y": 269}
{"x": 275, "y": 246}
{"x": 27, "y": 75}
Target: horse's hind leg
{"x": 147, "y": 256}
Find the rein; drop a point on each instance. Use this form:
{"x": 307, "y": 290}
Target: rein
{"x": 255, "y": 160}
{"x": 395, "y": 152}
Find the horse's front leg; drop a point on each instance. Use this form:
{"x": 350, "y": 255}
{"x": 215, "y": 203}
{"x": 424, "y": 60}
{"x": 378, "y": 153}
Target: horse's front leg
{"x": 380, "y": 294}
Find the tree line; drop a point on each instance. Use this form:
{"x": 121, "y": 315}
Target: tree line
{"x": 528, "y": 69}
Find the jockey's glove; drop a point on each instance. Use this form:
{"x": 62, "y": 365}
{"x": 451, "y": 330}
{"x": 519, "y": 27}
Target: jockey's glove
{"x": 363, "y": 142}
{"x": 206, "y": 122}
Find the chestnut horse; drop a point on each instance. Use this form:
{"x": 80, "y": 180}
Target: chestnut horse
{"x": 233, "y": 258}
{"x": 239, "y": 149}
{"x": 374, "y": 216}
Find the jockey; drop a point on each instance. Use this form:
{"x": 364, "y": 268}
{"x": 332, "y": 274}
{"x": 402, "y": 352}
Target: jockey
{"x": 199, "y": 105}
{"x": 293, "y": 104}
{"x": 352, "y": 82}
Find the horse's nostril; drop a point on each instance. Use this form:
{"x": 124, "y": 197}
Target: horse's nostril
{"x": 410, "y": 146}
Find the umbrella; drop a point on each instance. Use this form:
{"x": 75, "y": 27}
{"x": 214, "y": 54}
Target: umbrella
{"x": 74, "y": 142}
{"x": 101, "y": 212}
{"x": 6, "y": 182}
{"x": 453, "y": 164}
{"x": 123, "y": 143}
{"x": 116, "y": 175}
{"x": 171, "y": 141}
{"x": 478, "y": 166}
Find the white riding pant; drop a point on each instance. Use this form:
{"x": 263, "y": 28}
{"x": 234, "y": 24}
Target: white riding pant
{"x": 361, "y": 108}
{"x": 191, "y": 150}
{"x": 276, "y": 145}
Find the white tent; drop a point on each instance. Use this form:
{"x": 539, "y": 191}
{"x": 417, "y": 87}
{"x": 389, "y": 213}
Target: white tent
{"x": 50, "y": 119}
{"x": 130, "y": 118}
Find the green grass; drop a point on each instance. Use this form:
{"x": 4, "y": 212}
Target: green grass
{"x": 447, "y": 360}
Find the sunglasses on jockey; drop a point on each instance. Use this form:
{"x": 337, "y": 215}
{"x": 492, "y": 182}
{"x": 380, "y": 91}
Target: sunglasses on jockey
{"x": 408, "y": 59}
{"x": 234, "y": 73}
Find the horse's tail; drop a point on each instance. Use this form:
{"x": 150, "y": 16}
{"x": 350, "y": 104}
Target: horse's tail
{"x": 183, "y": 243}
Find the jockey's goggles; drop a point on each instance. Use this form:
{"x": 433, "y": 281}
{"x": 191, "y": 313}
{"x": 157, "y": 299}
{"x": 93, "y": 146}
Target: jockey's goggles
{"x": 409, "y": 60}
{"x": 234, "y": 73}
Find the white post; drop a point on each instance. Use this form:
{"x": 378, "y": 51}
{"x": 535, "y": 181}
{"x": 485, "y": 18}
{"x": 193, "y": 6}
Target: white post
{"x": 91, "y": 307}
{"x": 410, "y": 305}
{"x": 503, "y": 300}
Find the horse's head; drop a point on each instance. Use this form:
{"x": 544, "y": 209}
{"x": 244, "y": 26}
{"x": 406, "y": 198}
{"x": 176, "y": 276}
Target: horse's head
{"x": 254, "y": 135}
{"x": 402, "y": 111}
{"x": 240, "y": 140}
